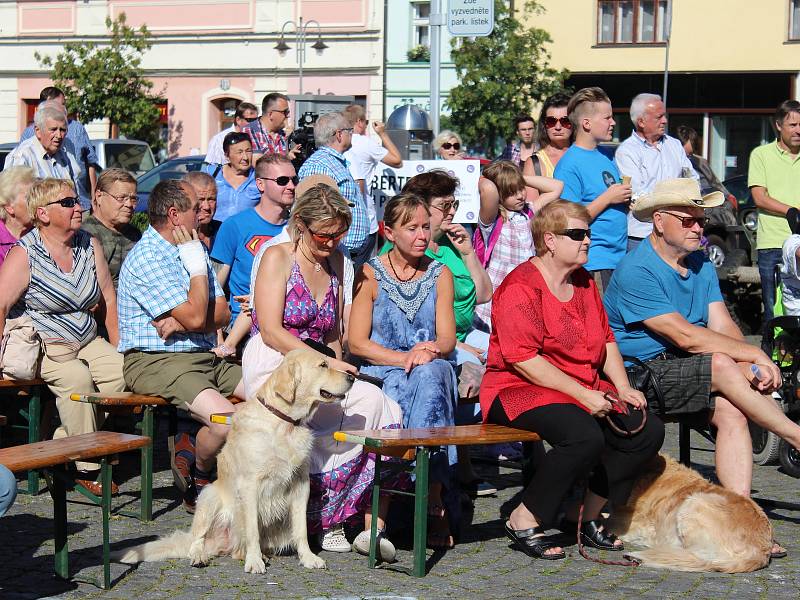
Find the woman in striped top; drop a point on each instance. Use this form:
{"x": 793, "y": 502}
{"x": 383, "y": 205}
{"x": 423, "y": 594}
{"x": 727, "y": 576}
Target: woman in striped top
{"x": 57, "y": 275}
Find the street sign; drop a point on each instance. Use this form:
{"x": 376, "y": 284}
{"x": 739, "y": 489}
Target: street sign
{"x": 470, "y": 17}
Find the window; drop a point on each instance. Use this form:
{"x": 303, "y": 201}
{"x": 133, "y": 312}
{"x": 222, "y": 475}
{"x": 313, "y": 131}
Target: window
{"x": 420, "y": 19}
{"x": 632, "y": 21}
{"x": 794, "y": 20}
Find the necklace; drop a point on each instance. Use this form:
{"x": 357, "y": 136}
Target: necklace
{"x": 396, "y": 276}
{"x": 317, "y": 265}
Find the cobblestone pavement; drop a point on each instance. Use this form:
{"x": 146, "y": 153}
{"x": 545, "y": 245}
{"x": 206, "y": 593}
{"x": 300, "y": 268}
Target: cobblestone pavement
{"x": 481, "y": 566}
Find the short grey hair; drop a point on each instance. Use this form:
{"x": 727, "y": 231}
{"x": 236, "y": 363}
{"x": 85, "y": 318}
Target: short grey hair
{"x": 327, "y": 125}
{"x": 199, "y": 179}
{"x": 49, "y": 109}
{"x": 445, "y": 136}
{"x": 639, "y": 105}
{"x": 11, "y": 180}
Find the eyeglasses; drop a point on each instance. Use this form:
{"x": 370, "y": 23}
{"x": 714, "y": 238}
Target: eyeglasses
{"x": 122, "y": 199}
{"x": 347, "y": 129}
{"x": 550, "y": 122}
{"x": 576, "y": 234}
{"x": 446, "y": 207}
{"x": 324, "y": 238}
{"x": 65, "y": 202}
{"x": 285, "y": 112}
{"x": 283, "y": 180}
{"x": 448, "y": 145}
{"x": 687, "y": 222}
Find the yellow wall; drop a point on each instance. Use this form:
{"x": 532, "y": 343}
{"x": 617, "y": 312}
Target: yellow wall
{"x": 707, "y": 35}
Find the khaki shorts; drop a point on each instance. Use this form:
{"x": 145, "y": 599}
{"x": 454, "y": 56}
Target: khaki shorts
{"x": 179, "y": 376}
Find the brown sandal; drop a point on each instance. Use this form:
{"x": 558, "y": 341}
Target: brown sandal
{"x": 439, "y": 536}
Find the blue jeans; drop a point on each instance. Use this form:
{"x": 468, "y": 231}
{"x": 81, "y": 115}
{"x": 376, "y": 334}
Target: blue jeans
{"x": 8, "y": 489}
{"x": 470, "y": 414}
{"x": 767, "y": 260}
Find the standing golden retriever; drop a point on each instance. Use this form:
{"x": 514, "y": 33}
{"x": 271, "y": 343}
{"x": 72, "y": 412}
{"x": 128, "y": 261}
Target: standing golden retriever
{"x": 691, "y": 524}
{"x": 258, "y": 503}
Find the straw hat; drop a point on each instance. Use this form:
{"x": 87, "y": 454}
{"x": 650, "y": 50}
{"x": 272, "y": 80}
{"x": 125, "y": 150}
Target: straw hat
{"x": 674, "y": 192}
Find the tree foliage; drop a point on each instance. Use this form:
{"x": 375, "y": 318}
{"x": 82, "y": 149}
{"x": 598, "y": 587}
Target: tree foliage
{"x": 500, "y": 76}
{"x": 106, "y": 80}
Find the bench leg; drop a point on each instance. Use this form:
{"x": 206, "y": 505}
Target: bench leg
{"x": 684, "y": 439}
{"x": 420, "y": 510}
{"x": 105, "y": 478}
{"x": 146, "y": 480}
{"x": 59, "y": 495}
{"x": 376, "y": 499}
{"x": 34, "y": 415}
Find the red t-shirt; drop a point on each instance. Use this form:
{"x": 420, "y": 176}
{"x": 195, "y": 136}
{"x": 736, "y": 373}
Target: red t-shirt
{"x": 528, "y": 321}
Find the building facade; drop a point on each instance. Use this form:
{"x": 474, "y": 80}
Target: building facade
{"x": 207, "y": 56}
{"x": 731, "y": 62}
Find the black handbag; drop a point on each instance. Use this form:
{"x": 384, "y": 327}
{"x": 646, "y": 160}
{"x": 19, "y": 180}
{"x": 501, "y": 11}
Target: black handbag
{"x": 641, "y": 377}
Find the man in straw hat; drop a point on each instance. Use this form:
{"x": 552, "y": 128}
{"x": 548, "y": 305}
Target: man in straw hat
{"x": 665, "y": 308}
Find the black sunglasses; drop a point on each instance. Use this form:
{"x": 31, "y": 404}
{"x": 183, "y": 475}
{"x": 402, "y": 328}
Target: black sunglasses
{"x": 550, "y": 122}
{"x": 576, "y": 234}
{"x": 250, "y": 119}
{"x": 448, "y": 145}
{"x": 283, "y": 180}
{"x": 65, "y": 202}
{"x": 687, "y": 222}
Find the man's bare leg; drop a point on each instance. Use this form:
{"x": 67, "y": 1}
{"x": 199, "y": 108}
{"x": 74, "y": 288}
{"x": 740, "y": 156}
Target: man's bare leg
{"x": 211, "y": 436}
{"x": 734, "y": 449}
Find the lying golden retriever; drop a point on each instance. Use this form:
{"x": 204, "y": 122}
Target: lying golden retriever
{"x": 691, "y": 524}
{"x": 258, "y": 502}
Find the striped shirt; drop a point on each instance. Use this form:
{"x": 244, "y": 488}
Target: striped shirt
{"x": 58, "y": 303}
{"x": 327, "y": 161}
{"x": 152, "y": 282}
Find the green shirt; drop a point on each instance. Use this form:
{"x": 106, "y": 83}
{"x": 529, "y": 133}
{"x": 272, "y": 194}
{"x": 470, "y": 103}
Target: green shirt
{"x": 775, "y": 170}
{"x": 116, "y": 244}
{"x": 464, "y": 292}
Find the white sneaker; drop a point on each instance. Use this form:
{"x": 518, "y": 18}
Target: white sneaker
{"x": 385, "y": 550}
{"x": 334, "y": 540}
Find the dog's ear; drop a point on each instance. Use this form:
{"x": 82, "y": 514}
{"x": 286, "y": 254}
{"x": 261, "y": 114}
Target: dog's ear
{"x": 283, "y": 380}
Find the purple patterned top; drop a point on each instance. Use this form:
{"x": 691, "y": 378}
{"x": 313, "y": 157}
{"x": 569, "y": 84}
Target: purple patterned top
{"x": 302, "y": 316}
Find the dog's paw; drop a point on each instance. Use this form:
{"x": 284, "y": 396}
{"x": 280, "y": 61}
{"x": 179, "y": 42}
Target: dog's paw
{"x": 312, "y": 561}
{"x": 197, "y": 556}
{"x": 255, "y": 564}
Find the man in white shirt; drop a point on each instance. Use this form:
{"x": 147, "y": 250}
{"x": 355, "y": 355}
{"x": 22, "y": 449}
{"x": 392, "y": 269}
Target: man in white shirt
{"x": 649, "y": 156}
{"x": 365, "y": 154}
{"x": 245, "y": 113}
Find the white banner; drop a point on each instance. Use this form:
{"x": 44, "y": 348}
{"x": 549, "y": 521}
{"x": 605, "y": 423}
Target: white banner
{"x": 388, "y": 181}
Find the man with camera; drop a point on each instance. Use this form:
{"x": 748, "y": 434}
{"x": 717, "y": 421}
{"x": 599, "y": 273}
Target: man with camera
{"x": 266, "y": 133}
{"x": 366, "y": 154}
{"x": 333, "y": 135}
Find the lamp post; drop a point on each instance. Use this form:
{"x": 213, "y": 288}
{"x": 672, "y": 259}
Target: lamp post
{"x": 300, "y": 35}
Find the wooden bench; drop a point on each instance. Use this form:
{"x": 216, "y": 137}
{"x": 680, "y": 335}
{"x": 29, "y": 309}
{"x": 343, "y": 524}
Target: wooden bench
{"x": 32, "y": 417}
{"x": 418, "y": 443}
{"x": 51, "y": 456}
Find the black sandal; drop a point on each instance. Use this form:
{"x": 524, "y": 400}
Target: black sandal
{"x": 531, "y": 542}
{"x": 592, "y": 535}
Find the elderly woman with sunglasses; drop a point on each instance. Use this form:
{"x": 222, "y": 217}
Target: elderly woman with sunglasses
{"x": 298, "y": 303}
{"x": 57, "y": 276}
{"x": 554, "y": 368}
{"x": 448, "y": 146}
{"x": 554, "y": 135}
{"x": 236, "y": 180}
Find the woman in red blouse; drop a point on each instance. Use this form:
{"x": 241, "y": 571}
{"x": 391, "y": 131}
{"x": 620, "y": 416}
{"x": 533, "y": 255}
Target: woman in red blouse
{"x": 552, "y": 363}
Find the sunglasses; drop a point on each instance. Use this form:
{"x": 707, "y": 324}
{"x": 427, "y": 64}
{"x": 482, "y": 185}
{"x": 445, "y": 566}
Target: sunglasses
{"x": 687, "y": 222}
{"x": 446, "y": 207}
{"x": 576, "y": 235}
{"x": 250, "y": 119}
{"x": 65, "y": 202}
{"x": 448, "y": 145}
{"x": 550, "y": 122}
{"x": 285, "y": 112}
{"x": 283, "y": 180}
{"x": 324, "y": 238}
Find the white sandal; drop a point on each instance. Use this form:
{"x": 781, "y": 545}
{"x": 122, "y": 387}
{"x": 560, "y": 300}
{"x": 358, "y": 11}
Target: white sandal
{"x": 385, "y": 549}
{"x": 334, "y": 540}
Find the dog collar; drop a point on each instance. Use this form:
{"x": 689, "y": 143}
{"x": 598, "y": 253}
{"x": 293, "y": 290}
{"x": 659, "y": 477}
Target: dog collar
{"x": 279, "y": 414}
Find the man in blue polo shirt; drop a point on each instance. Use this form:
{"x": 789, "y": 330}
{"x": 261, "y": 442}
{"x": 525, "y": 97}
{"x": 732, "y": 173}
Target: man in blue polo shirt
{"x": 593, "y": 180}
{"x": 241, "y": 236}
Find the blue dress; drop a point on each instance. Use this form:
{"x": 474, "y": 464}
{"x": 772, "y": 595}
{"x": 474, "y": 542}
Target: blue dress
{"x": 403, "y": 315}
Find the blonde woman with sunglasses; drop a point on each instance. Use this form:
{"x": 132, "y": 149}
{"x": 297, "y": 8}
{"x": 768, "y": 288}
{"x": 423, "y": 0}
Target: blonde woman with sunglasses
{"x": 298, "y": 299}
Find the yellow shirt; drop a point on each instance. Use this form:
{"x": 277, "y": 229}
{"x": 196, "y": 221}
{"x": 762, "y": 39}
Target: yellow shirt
{"x": 547, "y": 166}
{"x": 774, "y": 169}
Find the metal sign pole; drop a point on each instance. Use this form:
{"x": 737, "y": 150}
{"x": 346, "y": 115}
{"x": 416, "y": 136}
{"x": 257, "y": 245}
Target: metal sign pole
{"x": 436, "y": 20}
{"x": 668, "y": 34}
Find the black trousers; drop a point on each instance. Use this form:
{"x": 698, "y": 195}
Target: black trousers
{"x": 582, "y": 446}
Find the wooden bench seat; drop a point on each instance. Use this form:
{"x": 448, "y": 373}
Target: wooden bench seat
{"x": 52, "y": 456}
{"x": 418, "y": 444}
{"x": 31, "y": 416}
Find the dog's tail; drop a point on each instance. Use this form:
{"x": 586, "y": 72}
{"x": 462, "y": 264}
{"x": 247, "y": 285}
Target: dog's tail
{"x": 173, "y": 546}
{"x": 683, "y": 560}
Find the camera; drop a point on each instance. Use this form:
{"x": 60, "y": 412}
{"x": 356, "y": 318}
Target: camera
{"x": 304, "y": 137}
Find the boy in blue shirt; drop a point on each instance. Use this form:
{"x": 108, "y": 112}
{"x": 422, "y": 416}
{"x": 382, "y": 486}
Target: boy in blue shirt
{"x": 593, "y": 180}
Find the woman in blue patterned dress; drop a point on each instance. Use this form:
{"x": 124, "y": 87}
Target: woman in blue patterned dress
{"x": 402, "y": 325}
